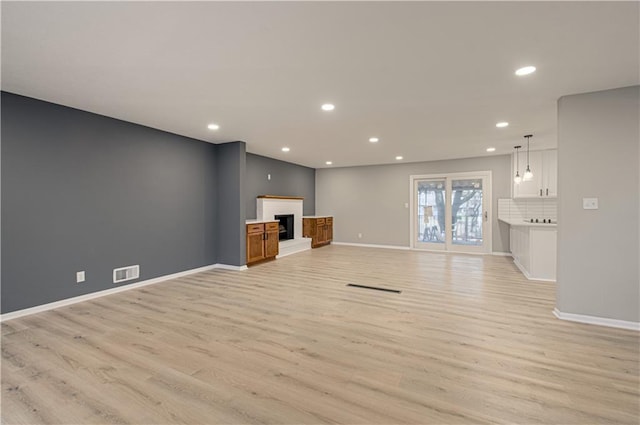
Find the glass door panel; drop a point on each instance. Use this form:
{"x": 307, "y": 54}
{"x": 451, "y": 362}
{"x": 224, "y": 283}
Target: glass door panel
{"x": 451, "y": 212}
{"x": 467, "y": 213}
{"x": 431, "y": 214}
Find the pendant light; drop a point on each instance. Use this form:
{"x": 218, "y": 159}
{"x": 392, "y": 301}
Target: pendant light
{"x": 528, "y": 175}
{"x": 517, "y": 179}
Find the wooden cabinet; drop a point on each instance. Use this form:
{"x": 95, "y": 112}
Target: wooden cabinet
{"x": 319, "y": 229}
{"x": 544, "y": 166}
{"x": 272, "y": 240}
{"x": 262, "y": 241}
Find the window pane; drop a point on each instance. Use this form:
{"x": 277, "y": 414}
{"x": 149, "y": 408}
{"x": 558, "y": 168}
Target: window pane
{"x": 466, "y": 211}
{"x": 431, "y": 212}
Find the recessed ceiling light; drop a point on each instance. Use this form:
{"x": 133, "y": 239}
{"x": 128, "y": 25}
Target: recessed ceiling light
{"x": 374, "y": 139}
{"x": 398, "y": 157}
{"x": 213, "y": 126}
{"x": 328, "y": 162}
{"x": 502, "y": 124}
{"x": 526, "y": 70}
{"x": 328, "y": 107}
{"x": 491, "y": 149}
{"x": 285, "y": 149}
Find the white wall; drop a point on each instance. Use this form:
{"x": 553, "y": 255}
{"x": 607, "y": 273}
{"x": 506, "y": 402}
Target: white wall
{"x": 370, "y": 200}
{"x": 598, "y": 250}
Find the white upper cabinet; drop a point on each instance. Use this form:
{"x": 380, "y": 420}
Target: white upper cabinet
{"x": 544, "y": 166}
{"x": 550, "y": 173}
{"x": 530, "y": 188}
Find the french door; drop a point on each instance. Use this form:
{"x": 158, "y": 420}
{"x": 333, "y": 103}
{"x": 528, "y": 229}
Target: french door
{"x": 451, "y": 212}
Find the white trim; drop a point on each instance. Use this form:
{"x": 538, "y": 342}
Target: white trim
{"x": 104, "y": 292}
{"x": 595, "y": 320}
{"x": 526, "y": 273}
{"x": 368, "y": 245}
{"x": 502, "y": 254}
{"x": 228, "y": 267}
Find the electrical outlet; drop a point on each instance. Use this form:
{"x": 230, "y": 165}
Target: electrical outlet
{"x": 80, "y": 277}
{"x": 589, "y": 203}
{"x": 406, "y": 205}
{"x": 359, "y": 235}
{"x": 268, "y": 176}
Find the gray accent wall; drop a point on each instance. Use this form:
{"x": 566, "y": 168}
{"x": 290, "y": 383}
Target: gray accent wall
{"x": 287, "y": 179}
{"x": 231, "y": 234}
{"x": 371, "y": 199}
{"x": 598, "y": 250}
{"x": 86, "y": 192}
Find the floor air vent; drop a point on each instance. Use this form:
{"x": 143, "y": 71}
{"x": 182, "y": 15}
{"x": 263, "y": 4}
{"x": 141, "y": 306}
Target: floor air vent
{"x": 375, "y": 288}
{"x": 126, "y": 273}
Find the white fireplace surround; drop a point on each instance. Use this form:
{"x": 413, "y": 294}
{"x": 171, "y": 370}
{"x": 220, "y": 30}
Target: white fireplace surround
{"x": 268, "y": 208}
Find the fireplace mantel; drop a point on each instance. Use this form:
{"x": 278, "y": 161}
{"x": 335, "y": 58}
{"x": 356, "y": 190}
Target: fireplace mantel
{"x": 280, "y": 197}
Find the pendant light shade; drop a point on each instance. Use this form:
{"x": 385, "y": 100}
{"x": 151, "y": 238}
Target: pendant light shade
{"x": 528, "y": 175}
{"x": 517, "y": 179}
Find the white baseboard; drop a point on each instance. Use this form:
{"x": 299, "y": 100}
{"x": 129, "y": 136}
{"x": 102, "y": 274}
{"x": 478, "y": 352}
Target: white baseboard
{"x": 527, "y": 275}
{"x": 368, "y": 245}
{"x": 501, "y": 254}
{"x": 105, "y": 292}
{"x": 594, "y": 320}
{"x": 227, "y": 267}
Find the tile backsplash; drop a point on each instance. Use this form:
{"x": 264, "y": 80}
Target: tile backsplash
{"x": 522, "y": 209}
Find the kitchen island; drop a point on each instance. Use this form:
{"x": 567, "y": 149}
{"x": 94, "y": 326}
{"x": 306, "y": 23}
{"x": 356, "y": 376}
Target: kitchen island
{"x": 533, "y": 247}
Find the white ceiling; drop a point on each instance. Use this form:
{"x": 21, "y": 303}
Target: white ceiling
{"x": 430, "y": 79}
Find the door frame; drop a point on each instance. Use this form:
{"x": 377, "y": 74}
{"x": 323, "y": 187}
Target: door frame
{"x": 487, "y": 195}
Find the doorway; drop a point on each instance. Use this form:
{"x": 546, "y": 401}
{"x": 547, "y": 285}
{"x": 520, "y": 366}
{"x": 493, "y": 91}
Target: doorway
{"x": 451, "y": 212}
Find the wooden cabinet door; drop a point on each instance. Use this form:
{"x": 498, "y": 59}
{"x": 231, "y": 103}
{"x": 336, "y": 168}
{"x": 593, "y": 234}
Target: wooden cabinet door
{"x": 255, "y": 242}
{"x": 329, "y": 232}
{"x": 272, "y": 240}
{"x": 321, "y": 231}
{"x": 309, "y": 229}
{"x": 255, "y": 247}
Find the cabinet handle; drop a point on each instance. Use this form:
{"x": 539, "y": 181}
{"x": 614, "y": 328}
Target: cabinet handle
{"x": 547, "y": 191}
{"x": 540, "y": 192}
{"x": 265, "y": 236}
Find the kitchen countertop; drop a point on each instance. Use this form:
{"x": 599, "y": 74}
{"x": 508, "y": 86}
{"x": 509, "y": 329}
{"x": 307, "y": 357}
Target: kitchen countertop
{"x": 527, "y": 223}
{"x": 255, "y": 221}
{"x": 316, "y": 216}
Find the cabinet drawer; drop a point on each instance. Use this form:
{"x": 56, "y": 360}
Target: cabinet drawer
{"x": 255, "y": 228}
{"x": 272, "y": 226}
{"x": 329, "y": 220}
{"x": 319, "y": 221}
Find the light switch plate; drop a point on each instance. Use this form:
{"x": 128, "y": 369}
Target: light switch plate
{"x": 589, "y": 203}
{"x": 80, "y": 277}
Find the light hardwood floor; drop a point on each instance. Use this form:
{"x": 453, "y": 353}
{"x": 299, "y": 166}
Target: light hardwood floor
{"x": 468, "y": 340}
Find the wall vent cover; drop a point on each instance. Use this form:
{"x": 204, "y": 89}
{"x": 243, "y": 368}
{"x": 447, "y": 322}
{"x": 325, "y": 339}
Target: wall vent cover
{"x": 126, "y": 273}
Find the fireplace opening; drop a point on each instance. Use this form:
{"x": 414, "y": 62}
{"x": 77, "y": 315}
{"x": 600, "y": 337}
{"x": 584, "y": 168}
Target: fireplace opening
{"x": 286, "y": 226}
